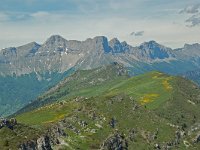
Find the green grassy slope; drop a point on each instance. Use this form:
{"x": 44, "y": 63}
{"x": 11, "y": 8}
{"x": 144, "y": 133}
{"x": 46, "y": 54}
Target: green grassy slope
{"x": 146, "y": 110}
{"x": 82, "y": 83}
{"x": 98, "y": 112}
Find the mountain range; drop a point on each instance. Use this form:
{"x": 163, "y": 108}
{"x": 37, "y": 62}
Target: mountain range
{"x": 58, "y": 55}
{"x": 36, "y": 67}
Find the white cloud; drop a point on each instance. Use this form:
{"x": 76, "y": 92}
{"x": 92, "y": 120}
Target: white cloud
{"x": 194, "y": 15}
{"x": 137, "y": 33}
{"x": 191, "y": 9}
{"x": 193, "y": 20}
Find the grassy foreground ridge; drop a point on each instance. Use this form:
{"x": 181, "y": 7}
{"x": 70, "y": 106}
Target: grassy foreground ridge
{"x": 104, "y": 108}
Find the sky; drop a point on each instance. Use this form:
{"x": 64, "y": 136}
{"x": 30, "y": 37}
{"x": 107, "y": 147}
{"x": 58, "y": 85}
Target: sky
{"x": 169, "y": 22}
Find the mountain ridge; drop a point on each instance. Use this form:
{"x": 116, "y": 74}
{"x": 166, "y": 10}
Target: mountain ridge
{"x": 58, "y": 56}
{"x": 56, "y": 48}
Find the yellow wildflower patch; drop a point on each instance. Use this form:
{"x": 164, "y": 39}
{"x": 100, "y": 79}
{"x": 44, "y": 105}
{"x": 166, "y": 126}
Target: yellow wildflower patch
{"x": 166, "y": 84}
{"x": 61, "y": 116}
{"x": 155, "y": 77}
{"x": 148, "y": 98}
{"x": 57, "y": 118}
{"x": 47, "y": 122}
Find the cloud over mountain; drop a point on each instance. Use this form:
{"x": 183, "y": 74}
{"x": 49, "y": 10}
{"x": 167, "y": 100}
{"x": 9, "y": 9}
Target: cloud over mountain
{"x": 194, "y": 11}
{"x": 137, "y": 33}
{"x": 193, "y": 20}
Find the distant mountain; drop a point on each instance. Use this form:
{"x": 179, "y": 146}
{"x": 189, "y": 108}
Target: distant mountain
{"x": 153, "y": 51}
{"x": 189, "y": 50}
{"x": 52, "y": 56}
{"x": 57, "y": 56}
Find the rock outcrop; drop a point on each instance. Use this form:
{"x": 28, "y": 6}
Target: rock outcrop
{"x": 46, "y": 141}
{"x": 9, "y": 123}
{"x": 115, "y": 142}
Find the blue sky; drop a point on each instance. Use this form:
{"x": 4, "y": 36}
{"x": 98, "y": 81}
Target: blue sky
{"x": 170, "y": 22}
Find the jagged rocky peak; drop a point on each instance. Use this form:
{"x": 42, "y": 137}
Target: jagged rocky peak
{"x": 151, "y": 45}
{"x": 124, "y": 43}
{"x": 100, "y": 39}
{"x": 101, "y": 43}
{"x": 192, "y": 46}
{"x": 114, "y": 41}
{"x": 116, "y": 46}
{"x": 153, "y": 50}
{"x": 55, "y": 43}
{"x": 190, "y": 50}
{"x": 55, "y": 39}
{"x": 24, "y": 50}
